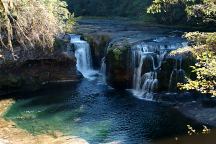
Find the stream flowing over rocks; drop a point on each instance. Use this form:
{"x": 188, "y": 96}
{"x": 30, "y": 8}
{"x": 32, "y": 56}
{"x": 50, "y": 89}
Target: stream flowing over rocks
{"x": 83, "y": 56}
{"x": 137, "y": 58}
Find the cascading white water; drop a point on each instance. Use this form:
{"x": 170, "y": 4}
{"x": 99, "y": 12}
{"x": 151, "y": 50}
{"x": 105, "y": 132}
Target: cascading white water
{"x": 83, "y": 56}
{"x": 147, "y": 58}
{"x": 145, "y": 84}
{"x": 177, "y": 76}
{"x": 103, "y": 69}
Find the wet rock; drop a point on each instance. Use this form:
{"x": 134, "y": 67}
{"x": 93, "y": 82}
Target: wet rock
{"x": 148, "y": 64}
{"x": 173, "y": 70}
{"x": 98, "y": 44}
{"x": 31, "y": 74}
{"x": 165, "y": 72}
{"x": 119, "y": 70}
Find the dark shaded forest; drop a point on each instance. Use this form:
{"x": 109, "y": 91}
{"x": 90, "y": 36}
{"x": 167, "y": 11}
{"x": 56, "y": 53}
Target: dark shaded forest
{"x": 123, "y": 8}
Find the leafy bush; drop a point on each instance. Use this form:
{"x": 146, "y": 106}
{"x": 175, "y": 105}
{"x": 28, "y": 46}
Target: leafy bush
{"x": 168, "y": 11}
{"x": 205, "y": 51}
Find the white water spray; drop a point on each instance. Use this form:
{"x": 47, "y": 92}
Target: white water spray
{"x": 147, "y": 59}
{"x": 83, "y": 56}
{"x": 144, "y": 84}
{"x": 103, "y": 70}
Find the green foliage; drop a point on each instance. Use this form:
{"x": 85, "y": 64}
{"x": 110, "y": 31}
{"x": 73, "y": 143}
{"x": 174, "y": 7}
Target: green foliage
{"x": 124, "y": 8}
{"x": 170, "y": 11}
{"x": 192, "y": 131}
{"x": 205, "y": 68}
{"x": 196, "y": 11}
{"x": 59, "y": 9}
{"x": 117, "y": 52}
{"x": 204, "y": 11}
{"x": 203, "y": 41}
{"x": 27, "y": 25}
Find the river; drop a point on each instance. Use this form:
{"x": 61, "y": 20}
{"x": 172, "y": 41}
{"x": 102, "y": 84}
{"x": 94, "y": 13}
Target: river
{"x": 97, "y": 113}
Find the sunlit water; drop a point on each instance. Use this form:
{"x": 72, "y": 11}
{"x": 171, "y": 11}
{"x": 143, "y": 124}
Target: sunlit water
{"x": 97, "y": 113}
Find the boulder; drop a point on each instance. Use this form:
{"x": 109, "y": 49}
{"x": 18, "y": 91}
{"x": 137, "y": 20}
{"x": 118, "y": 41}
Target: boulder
{"x": 119, "y": 68}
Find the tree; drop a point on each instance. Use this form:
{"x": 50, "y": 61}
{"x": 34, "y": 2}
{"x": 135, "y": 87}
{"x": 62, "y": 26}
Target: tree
{"x": 205, "y": 11}
{"x": 169, "y": 11}
{"x": 204, "y": 49}
{"x": 196, "y": 11}
{"x": 29, "y": 25}
{"x": 124, "y": 8}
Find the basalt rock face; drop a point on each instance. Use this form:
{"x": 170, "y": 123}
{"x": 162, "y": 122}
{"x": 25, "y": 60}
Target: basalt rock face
{"x": 174, "y": 69}
{"x": 118, "y": 61}
{"x": 98, "y": 44}
{"x": 32, "y": 73}
{"x": 165, "y": 73}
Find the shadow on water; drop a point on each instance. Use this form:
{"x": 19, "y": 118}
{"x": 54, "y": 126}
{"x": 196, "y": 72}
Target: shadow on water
{"x": 98, "y": 114}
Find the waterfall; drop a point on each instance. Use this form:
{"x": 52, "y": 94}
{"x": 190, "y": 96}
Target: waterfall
{"x": 103, "y": 70}
{"x": 177, "y": 76}
{"x": 83, "y": 56}
{"x": 147, "y": 58}
{"x": 144, "y": 83}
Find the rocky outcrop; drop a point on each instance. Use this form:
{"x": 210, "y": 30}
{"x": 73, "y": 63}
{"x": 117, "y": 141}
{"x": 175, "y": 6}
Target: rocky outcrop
{"x": 98, "y": 44}
{"x": 33, "y": 72}
{"x": 119, "y": 70}
{"x": 173, "y": 70}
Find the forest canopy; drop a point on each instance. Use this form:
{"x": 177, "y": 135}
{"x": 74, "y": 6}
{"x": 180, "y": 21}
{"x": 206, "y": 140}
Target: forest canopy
{"x": 124, "y": 8}
{"x": 198, "y": 12}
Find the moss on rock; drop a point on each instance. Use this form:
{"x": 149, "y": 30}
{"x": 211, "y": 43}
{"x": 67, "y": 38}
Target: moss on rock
{"x": 119, "y": 70}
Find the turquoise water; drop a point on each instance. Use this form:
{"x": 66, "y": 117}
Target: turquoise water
{"x": 96, "y": 113}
